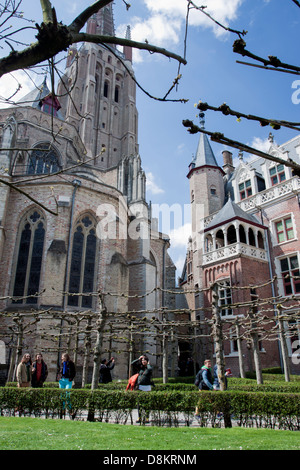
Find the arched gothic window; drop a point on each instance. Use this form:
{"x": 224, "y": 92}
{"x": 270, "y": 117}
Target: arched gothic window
{"x": 43, "y": 160}
{"x": 83, "y": 261}
{"x": 29, "y": 260}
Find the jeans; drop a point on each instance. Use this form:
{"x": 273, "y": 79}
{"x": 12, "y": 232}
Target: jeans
{"x": 67, "y": 385}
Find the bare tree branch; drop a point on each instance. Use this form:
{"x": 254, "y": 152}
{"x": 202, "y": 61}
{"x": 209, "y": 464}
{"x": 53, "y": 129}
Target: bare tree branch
{"x": 221, "y": 139}
{"x": 202, "y": 10}
{"x": 239, "y": 47}
{"x": 54, "y": 37}
{"x": 226, "y": 110}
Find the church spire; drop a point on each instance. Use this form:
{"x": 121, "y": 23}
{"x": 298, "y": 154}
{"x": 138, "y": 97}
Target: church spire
{"x": 102, "y": 23}
{"x": 128, "y": 49}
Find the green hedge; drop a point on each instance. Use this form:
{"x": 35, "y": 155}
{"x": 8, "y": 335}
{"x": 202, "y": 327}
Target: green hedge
{"x": 268, "y": 410}
{"x": 166, "y": 408}
{"x": 272, "y": 383}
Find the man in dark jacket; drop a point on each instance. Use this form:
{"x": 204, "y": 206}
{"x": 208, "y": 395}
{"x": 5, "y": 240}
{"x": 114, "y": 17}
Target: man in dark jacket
{"x": 105, "y": 368}
{"x": 39, "y": 372}
{"x": 144, "y": 369}
{"x": 207, "y": 380}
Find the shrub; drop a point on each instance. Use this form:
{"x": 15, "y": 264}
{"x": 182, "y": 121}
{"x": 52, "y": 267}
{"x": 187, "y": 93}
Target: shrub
{"x": 260, "y": 409}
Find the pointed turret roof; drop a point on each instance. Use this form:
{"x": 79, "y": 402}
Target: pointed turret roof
{"x": 204, "y": 154}
{"x": 231, "y": 211}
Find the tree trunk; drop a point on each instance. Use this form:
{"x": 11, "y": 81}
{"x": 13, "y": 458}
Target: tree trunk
{"x": 218, "y": 339}
{"x": 283, "y": 345}
{"x": 165, "y": 355}
{"x": 87, "y": 348}
{"x": 98, "y": 345}
{"x": 240, "y": 352}
{"x": 255, "y": 344}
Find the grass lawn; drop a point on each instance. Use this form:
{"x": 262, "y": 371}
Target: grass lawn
{"x": 41, "y": 434}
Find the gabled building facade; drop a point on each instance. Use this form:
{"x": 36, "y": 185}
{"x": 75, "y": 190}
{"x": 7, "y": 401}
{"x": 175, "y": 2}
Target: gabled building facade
{"x": 245, "y": 228}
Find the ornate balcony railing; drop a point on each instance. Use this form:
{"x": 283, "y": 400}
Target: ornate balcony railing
{"x": 236, "y": 249}
{"x": 265, "y": 197}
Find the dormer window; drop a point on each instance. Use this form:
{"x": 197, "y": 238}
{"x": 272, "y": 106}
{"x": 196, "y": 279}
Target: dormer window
{"x": 245, "y": 189}
{"x": 50, "y": 105}
{"x": 49, "y": 109}
{"x": 277, "y": 174}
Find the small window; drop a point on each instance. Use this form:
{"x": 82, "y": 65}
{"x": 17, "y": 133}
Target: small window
{"x": 117, "y": 94}
{"x": 213, "y": 191}
{"x": 49, "y": 109}
{"x": 225, "y": 298}
{"x": 277, "y": 174}
{"x": 290, "y": 275}
{"x": 284, "y": 230}
{"x": 106, "y": 89}
{"x": 293, "y": 337}
{"x": 245, "y": 189}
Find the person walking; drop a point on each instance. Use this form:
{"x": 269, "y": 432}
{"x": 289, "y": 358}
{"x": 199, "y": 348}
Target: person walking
{"x": 105, "y": 368}
{"x": 66, "y": 372}
{"x": 144, "y": 380}
{"x": 39, "y": 372}
{"x": 204, "y": 381}
{"x": 66, "y": 376}
{"x": 24, "y": 371}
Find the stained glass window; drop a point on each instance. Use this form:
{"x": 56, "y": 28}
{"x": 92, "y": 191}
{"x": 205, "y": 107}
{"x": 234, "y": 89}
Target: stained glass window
{"x": 82, "y": 269}
{"x": 29, "y": 260}
{"x": 43, "y": 160}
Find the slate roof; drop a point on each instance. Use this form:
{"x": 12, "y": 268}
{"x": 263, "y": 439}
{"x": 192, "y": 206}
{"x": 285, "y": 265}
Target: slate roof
{"x": 204, "y": 155}
{"x": 231, "y": 211}
{"x": 34, "y": 97}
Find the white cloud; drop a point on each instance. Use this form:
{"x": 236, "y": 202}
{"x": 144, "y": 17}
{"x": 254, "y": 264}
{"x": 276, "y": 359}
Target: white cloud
{"x": 179, "y": 236}
{"x": 9, "y": 84}
{"x": 158, "y": 29}
{"x": 164, "y": 26}
{"x": 257, "y": 143}
{"x": 261, "y": 144}
{"x": 152, "y": 187}
{"x": 220, "y": 10}
{"x": 179, "y": 263}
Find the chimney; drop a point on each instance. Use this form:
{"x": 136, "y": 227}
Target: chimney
{"x": 228, "y": 164}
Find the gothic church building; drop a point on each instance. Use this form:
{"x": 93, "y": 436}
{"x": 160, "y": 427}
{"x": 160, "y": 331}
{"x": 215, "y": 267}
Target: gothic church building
{"x": 76, "y": 221}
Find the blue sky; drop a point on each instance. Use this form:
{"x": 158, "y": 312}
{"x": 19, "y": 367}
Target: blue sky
{"x": 211, "y": 74}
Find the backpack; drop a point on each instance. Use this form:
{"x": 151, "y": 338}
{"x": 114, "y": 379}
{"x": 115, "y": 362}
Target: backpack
{"x": 198, "y": 377}
{"x": 132, "y": 382}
